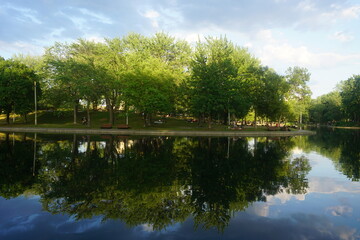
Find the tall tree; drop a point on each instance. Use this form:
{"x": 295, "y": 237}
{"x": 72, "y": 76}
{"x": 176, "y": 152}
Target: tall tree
{"x": 155, "y": 68}
{"x": 112, "y": 60}
{"x": 271, "y": 102}
{"x": 299, "y": 93}
{"x": 326, "y": 108}
{"x": 16, "y": 88}
{"x": 350, "y": 95}
{"x": 88, "y": 55}
{"x": 150, "y": 87}
{"x": 66, "y": 76}
{"x": 212, "y": 70}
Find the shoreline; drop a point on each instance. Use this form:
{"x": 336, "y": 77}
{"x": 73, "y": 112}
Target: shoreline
{"x": 233, "y": 133}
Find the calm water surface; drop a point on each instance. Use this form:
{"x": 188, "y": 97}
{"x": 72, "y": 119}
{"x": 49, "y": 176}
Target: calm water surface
{"x": 119, "y": 187}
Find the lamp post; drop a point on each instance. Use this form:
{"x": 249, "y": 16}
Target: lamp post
{"x": 35, "y": 100}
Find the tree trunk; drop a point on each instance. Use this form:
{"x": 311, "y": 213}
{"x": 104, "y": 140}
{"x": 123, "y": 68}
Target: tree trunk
{"x": 255, "y": 125}
{"x": 110, "y": 108}
{"x": 75, "y": 148}
{"x": 88, "y": 114}
{"x": 126, "y": 114}
{"x": 75, "y": 111}
{"x": 7, "y": 118}
{"x": 145, "y": 119}
{"x": 209, "y": 121}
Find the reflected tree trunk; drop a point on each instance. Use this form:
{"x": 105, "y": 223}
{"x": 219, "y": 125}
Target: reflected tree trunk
{"x": 35, "y": 147}
{"x": 75, "y": 148}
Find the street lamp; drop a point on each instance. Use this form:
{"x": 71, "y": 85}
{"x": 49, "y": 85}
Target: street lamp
{"x": 35, "y": 100}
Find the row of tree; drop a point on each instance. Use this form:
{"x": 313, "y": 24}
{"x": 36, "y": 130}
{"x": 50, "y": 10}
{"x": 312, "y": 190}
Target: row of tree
{"x": 342, "y": 104}
{"x": 213, "y": 80}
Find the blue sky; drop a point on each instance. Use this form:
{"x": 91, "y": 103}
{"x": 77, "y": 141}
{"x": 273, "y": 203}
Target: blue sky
{"x": 321, "y": 35}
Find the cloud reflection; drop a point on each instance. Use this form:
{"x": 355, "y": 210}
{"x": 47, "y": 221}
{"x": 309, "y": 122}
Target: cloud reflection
{"x": 40, "y": 225}
{"x": 340, "y": 211}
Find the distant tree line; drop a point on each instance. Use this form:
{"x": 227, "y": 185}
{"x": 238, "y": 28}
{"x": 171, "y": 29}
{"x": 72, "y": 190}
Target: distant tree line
{"x": 340, "y": 105}
{"x": 215, "y": 79}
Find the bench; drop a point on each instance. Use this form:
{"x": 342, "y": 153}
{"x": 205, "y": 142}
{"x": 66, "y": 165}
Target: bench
{"x": 285, "y": 128}
{"x": 269, "y": 128}
{"x": 106, "y": 126}
{"x": 123, "y": 126}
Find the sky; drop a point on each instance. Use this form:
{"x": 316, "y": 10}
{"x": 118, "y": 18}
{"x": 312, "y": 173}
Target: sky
{"x": 320, "y": 35}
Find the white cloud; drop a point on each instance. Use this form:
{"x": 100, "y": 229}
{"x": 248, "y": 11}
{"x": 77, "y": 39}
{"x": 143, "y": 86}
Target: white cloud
{"x": 26, "y": 14}
{"x": 306, "y": 6}
{"x": 7, "y": 49}
{"x": 340, "y": 13}
{"x": 316, "y": 184}
{"x": 343, "y": 37}
{"x": 99, "y": 17}
{"x": 147, "y": 227}
{"x": 351, "y": 12}
{"x": 153, "y": 16}
{"x": 280, "y": 51}
{"x": 340, "y": 210}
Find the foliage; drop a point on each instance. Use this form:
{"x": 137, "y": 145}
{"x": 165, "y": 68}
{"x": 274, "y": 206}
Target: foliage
{"x": 350, "y": 95}
{"x": 16, "y": 88}
{"x": 299, "y": 94}
{"x": 163, "y": 75}
{"x": 326, "y": 108}
{"x": 216, "y": 83}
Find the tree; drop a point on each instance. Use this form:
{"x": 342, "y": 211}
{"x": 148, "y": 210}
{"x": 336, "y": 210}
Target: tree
{"x": 63, "y": 72}
{"x": 299, "y": 94}
{"x": 150, "y": 88}
{"x": 70, "y": 75}
{"x": 212, "y": 70}
{"x": 350, "y": 95}
{"x": 88, "y": 55}
{"x": 16, "y": 88}
{"x": 326, "y": 108}
{"x": 154, "y": 69}
{"x": 270, "y": 102}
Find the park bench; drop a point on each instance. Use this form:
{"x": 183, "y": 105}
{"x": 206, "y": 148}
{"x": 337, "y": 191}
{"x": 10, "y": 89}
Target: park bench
{"x": 285, "y": 128}
{"x": 270, "y": 128}
{"x": 106, "y": 126}
{"x": 123, "y": 126}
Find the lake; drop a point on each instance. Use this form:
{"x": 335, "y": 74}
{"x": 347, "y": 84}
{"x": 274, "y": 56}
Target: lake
{"x": 133, "y": 187}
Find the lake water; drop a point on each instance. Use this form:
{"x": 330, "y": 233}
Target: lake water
{"x": 130, "y": 187}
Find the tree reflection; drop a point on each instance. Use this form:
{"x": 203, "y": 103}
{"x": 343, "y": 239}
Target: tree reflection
{"x": 342, "y": 147}
{"x": 16, "y": 165}
{"x": 160, "y": 181}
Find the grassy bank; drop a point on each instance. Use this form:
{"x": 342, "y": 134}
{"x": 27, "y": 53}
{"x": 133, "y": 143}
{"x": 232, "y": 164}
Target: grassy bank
{"x": 64, "y": 119}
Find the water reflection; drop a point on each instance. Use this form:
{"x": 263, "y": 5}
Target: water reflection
{"x": 339, "y": 145}
{"x": 153, "y": 181}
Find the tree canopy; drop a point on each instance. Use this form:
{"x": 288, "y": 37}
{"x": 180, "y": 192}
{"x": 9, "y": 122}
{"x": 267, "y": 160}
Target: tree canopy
{"x": 16, "y": 88}
{"x": 213, "y": 80}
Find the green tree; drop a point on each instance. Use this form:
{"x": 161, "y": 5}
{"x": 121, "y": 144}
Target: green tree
{"x": 70, "y": 76}
{"x": 299, "y": 94}
{"x": 154, "y": 69}
{"x": 93, "y": 81}
{"x": 269, "y": 95}
{"x": 350, "y": 95}
{"x": 212, "y": 70}
{"x": 62, "y": 70}
{"x": 326, "y": 108}
{"x": 16, "y": 88}
{"x": 150, "y": 88}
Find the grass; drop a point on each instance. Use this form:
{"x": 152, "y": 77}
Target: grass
{"x": 64, "y": 119}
